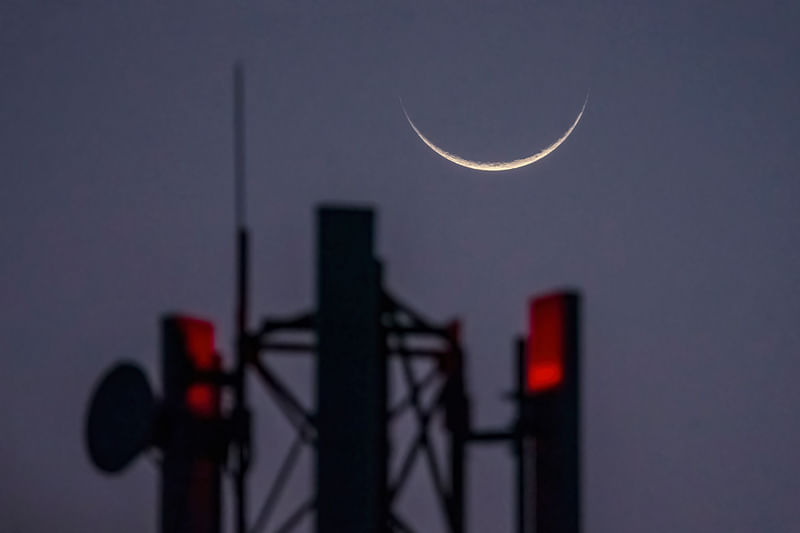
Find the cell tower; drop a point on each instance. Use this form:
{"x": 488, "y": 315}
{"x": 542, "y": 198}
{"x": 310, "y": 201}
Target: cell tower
{"x": 355, "y": 330}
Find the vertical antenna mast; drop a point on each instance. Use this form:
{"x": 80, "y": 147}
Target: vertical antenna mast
{"x": 239, "y": 143}
{"x": 240, "y": 415}
{"x": 240, "y": 201}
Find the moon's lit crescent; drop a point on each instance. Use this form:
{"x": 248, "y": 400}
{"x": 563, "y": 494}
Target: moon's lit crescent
{"x": 494, "y": 166}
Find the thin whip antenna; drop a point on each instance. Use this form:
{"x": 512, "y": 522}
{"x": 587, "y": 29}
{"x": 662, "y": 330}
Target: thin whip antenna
{"x": 240, "y": 200}
{"x": 243, "y": 344}
{"x": 239, "y": 144}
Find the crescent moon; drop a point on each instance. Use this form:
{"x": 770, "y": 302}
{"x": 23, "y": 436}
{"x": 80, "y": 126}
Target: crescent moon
{"x": 495, "y": 166}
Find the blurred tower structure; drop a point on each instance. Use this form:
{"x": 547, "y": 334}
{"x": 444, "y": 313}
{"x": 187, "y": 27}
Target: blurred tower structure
{"x": 548, "y": 430}
{"x": 192, "y": 431}
{"x": 358, "y": 332}
{"x": 356, "y": 329}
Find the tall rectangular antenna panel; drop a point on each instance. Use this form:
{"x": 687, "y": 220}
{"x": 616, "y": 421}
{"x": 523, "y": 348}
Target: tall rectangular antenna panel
{"x": 351, "y": 376}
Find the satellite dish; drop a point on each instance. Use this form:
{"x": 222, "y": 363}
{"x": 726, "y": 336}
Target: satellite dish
{"x": 121, "y": 419}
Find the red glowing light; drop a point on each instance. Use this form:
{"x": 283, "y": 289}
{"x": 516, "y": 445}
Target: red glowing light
{"x": 545, "y": 358}
{"x": 201, "y": 398}
{"x": 199, "y": 338}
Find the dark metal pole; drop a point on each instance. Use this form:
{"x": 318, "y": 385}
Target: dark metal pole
{"x": 457, "y": 455}
{"x": 519, "y": 442}
{"x": 458, "y": 423}
{"x": 243, "y": 344}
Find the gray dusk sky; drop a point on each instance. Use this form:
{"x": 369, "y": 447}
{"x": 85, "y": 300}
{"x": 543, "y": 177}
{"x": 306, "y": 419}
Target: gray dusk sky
{"x": 673, "y": 206}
